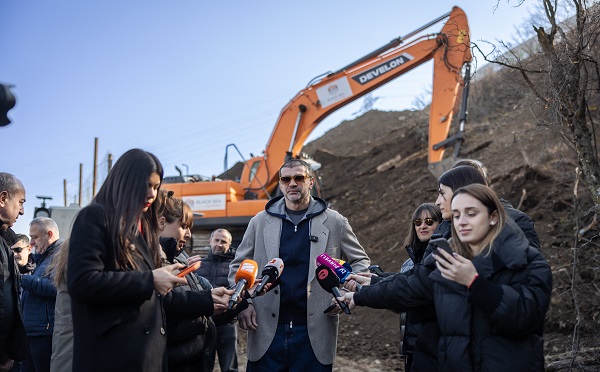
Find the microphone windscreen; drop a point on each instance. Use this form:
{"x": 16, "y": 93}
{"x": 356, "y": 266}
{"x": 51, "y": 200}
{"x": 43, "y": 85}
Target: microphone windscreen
{"x": 273, "y": 268}
{"x": 326, "y": 278}
{"x": 340, "y": 270}
{"x": 247, "y": 270}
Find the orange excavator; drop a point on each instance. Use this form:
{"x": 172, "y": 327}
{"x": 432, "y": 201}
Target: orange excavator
{"x": 231, "y": 203}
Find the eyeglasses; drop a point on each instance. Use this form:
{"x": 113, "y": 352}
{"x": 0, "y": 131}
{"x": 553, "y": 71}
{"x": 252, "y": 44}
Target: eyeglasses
{"x": 297, "y": 178}
{"x": 19, "y": 249}
{"x": 428, "y": 221}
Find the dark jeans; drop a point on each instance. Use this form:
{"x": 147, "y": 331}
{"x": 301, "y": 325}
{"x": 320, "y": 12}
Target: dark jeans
{"x": 289, "y": 351}
{"x": 225, "y": 349}
{"x": 40, "y": 351}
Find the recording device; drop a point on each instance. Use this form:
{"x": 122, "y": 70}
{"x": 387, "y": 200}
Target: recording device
{"x": 375, "y": 269}
{"x": 340, "y": 270}
{"x": 442, "y": 243}
{"x": 349, "y": 268}
{"x": 331, "y": 307}
{"x": 244, "y": 279}
{"x": 314, "y": 238}
{"x": 330, "y": 282}
{"x": 270, "y": 273}
{"x": 188, "y": 269}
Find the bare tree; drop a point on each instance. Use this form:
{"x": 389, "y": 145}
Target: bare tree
{"x": 563, "y": 73}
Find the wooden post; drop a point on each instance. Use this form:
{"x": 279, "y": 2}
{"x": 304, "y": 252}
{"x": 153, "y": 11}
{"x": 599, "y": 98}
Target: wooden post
{"x": 65, "y": 190}
{"x": 110, "y": 160}
{"x": 95, "y": 167}
{"x": 80, "y": 181}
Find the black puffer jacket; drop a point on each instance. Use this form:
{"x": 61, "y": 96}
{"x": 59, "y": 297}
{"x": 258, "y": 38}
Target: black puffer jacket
{"x": 497, "y": 325}
{"x": 525, "y": 223}
{"x": 413, "y": 322}
{"x": 190, "y": 331}
{"x": 215, "y": 268}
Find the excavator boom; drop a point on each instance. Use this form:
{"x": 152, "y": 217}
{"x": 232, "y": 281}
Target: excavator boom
{"x": 227, "y": 203}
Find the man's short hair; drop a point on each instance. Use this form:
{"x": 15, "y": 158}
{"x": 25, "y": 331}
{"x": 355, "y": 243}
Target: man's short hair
{"x": 293, "y": 163}
{"x": 21, "y": 238}
{"x": 224, "y": 231}
{"x": 10, "y": 183}
{"x": 47, "y": 224}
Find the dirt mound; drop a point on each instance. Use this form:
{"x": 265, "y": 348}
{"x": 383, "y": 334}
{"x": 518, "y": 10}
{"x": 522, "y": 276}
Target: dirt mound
{"x": 375, "y": 173}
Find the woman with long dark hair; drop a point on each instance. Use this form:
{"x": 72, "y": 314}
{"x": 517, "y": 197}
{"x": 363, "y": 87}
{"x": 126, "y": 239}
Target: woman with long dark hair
{"x": 425, "y": 220}
{"x": 114, "y": 270}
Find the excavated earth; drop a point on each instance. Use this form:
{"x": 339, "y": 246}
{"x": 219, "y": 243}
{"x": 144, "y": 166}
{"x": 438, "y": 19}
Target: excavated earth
{"x": 374, "y": 172}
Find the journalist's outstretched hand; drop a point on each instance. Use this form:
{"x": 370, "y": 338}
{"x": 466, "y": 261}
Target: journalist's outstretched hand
{"x": 360, "y": 278}
{"x": 348, "y": 298}
{"x": 221, "y": 297}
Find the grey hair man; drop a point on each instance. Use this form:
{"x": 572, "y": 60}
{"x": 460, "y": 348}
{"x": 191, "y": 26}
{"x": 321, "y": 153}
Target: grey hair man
{"x": 12, "y": 334}
{"x": 39, "y": 295}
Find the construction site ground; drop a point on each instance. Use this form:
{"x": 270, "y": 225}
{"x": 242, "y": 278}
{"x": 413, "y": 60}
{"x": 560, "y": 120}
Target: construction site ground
{"x": 374, "y": 172}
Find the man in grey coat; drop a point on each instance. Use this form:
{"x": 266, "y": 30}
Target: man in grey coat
{"x": 287, "y": 327}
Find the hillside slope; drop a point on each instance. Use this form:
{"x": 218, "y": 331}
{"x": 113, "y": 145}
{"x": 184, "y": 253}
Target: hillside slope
{"x": 528, "y": 165}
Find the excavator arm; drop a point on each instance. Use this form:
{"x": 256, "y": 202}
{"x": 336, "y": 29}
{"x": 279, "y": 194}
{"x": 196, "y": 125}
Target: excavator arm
{"x": 231, "y": 203}
{"x": 449, "y": 49}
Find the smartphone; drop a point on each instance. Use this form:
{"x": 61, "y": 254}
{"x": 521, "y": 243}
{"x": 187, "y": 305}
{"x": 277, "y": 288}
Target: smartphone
{"x": 186, "y": 270}
{"x": 442, "y": 243}
{"x": 375, "y": 269}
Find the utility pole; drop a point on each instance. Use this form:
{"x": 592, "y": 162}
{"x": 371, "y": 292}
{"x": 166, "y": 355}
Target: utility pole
{"x": 95, "y": 177}
{"x": 65, "y": 190}
{"x": 110, "y": 160}
{"x": 80, "y": 182}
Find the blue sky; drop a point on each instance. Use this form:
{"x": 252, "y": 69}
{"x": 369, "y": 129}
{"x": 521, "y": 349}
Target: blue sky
{"x": 185, "y": 78}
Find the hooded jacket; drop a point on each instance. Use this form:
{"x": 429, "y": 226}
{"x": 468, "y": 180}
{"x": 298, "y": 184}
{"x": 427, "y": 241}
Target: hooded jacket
{"x": 327, "y": 232}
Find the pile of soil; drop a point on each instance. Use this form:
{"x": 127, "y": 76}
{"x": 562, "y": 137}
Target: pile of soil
{"x": 529, "y": 165}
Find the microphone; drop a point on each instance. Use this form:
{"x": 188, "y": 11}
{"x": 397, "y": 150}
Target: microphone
{"x": 339, "y": 270}
{"x": 244, "y": 279}
{"x": 330, "y": 282}
{"x": 270, "y": 273}
{"x": 349, "y": 268}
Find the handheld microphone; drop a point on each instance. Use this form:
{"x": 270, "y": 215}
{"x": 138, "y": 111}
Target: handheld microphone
{"x": 244, "y": 279}
{"x": 339, "y": 270}
{"x": 349, "y": 268}
{"x": 330, "y": 282}
{"x": 270, "y": 273}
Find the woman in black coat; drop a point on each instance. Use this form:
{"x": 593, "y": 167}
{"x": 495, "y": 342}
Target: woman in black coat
{"x": 491, "y": 295}
{"x": 114, "y": 275}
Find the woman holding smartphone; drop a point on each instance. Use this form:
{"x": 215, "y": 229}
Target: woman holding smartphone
{"x": 490, "y": 295}
{"x": 114, "y": 276}
{"x": 191, "y": 332}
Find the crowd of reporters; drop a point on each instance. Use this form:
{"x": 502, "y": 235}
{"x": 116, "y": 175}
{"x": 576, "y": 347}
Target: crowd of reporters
{"x": 120, "y": 304}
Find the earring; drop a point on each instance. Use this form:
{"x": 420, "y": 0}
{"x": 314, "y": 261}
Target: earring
{"x": 492, "y": 223}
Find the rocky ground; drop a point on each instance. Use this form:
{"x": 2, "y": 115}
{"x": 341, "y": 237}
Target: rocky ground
{"x": 529, "y": 165}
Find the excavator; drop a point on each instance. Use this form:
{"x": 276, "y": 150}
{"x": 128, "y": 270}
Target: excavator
{"x": 231, "y": 203}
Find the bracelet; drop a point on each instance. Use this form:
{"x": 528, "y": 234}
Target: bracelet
{"x": 473, "y": 281}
